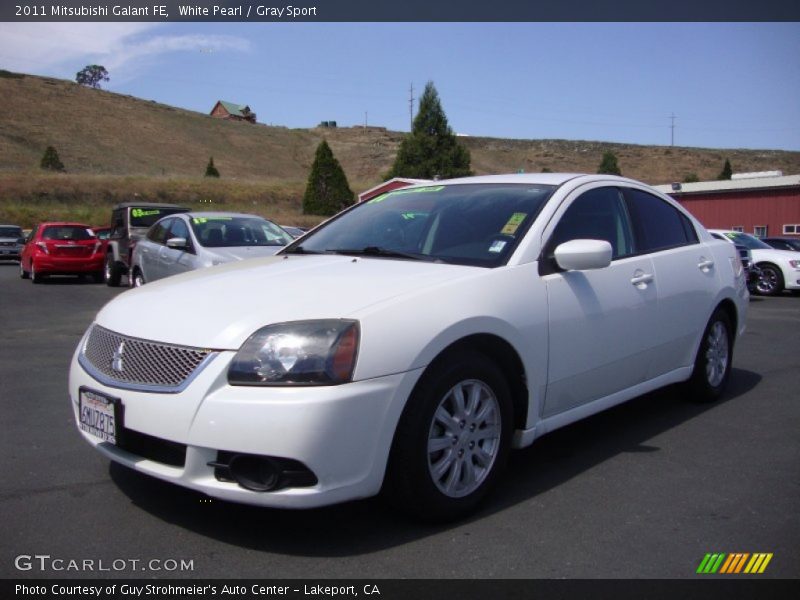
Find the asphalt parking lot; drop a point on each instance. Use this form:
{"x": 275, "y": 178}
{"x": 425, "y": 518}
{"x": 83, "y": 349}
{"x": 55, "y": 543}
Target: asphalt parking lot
{"x": 643, "y": 490}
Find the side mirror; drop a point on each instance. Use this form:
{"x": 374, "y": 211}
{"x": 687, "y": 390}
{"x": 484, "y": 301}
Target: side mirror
{"x": 583, "y": 255}
{"x": 177, "y": 243}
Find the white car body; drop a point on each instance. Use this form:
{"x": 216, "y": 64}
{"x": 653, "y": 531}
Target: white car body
{"x": 787, "y": 261}
{"x": 585, "y": 341}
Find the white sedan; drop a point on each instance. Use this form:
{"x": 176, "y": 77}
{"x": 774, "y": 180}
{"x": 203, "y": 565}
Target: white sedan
{"x": 779, "y": 269}
{"x": 408, "y": 343}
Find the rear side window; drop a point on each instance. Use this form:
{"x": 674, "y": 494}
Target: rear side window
{"x": 658, "y": 224}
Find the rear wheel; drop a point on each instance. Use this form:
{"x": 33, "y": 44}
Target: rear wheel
{"x": 452, "y": 440}
{"x": 712, "y": 367}
{"x": 138, "y": 279}
{"x": 112, "y": 272}
{"x": 35, "y": 277}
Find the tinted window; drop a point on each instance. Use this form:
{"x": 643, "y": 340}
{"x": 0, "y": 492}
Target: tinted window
{"x": 67, "y": 232}
{"x": 179, "y": 229}
{"x": 10, "y": 232}
{"x": 158, "y": 232}
{"x": 658, "y": 224}
{"x": 598, "y": 214}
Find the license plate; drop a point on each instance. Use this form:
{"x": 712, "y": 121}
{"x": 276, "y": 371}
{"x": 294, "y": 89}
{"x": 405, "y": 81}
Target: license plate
{"x": 99, "y": 415}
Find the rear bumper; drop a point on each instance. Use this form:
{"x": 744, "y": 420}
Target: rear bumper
{"x": 67, "y": 266}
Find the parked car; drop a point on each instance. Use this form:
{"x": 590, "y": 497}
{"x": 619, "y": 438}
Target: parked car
{"x": 129, "y": 223}
{"x": 11, "y": 242}
{"x": 783, "y": 243}
{"x": 409, "y": 342}
{"x": 61, "y": 249}
{"x": 102, "y": 233}
{"x": 779, "y": 269}
{"x": 293, "y": 231}
{"x": 188, "y": 241}
{"x": 752, "y": 272}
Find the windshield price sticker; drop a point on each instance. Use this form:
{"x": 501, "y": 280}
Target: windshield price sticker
{"x": 97, "y": 416}
{"x": 513, "y": 223}
{"x": 140, "y": 212}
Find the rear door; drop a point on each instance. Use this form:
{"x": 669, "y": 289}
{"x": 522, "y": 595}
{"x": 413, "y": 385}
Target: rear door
{"x": 686, "y": 273}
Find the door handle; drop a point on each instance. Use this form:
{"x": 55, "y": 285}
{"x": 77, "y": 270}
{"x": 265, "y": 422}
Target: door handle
{"x": 641, "y": 280}
{"x": 705, "y": 265}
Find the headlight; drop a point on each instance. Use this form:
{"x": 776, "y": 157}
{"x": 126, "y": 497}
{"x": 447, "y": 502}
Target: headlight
{"x": 795, "y": 264}
{"x": 298, "y": 353}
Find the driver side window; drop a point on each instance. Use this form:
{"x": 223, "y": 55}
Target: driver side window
{"x": 598, "y": 214}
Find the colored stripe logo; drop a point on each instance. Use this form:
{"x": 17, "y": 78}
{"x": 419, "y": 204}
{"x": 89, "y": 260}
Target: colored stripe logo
{"x": 737, "y": 562}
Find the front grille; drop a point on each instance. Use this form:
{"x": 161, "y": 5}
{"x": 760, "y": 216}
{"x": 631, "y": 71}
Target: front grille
{"x": 136, "y": 362}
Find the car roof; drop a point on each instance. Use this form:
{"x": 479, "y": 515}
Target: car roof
{"x": 218, "y": 214}
{"x": 148, "y": 205}
{"x": 63, "y": 224}
{"x": 529, "y": 178}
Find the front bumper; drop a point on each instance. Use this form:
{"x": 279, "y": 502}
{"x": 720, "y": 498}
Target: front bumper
{"x": 342, "y": 434}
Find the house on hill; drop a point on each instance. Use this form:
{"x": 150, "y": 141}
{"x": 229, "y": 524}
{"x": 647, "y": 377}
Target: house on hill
{"x": 233, "y": 112}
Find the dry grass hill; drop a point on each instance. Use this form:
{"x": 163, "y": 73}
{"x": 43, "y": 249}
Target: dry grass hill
{"x": 115, "y": 147}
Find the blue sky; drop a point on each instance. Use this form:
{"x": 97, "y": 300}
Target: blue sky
{"x": 730, "y": 85}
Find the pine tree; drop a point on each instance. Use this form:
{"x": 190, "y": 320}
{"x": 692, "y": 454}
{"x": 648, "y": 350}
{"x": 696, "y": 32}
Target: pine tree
{"x": 609, "y": 166}
{"x": 51, "y": 161}
{"x": 726, "y": 172}
{"x": 431, "y": 149}
{"x": 327, "y": 191}
{"x": 211, "y": 170}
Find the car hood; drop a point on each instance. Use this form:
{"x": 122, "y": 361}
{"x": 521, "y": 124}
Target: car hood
{"x": 761, "y": 254}
{"x": 219, "y": 308}
{"x": 226, "y": 255}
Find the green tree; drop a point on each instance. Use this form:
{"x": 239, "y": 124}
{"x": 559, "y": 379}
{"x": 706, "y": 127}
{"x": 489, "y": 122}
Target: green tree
{"x": 726, "y": 172}
{"x": 51, "y": 161}
{"x": 92, "y": 75}
{"x": 211, "y": 170}
{"x": 431, "y": 149}
{"x": 609, "y": 166}
{"x": 327, "y": 191}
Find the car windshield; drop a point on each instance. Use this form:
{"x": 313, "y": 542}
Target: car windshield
{"x": 747, "y": 240}
{"x": 145, "y": 216}
{"x": 10, "y": 232}
{"x": 223, "y": 232}
{"x": 467, "y": 224}
{"x": 67, "y": 232}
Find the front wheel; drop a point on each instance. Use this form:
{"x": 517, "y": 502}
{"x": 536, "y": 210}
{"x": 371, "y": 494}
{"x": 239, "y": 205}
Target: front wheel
{"x": 770, "y": 281}
{"x": 712, "y": 367}
{"x": 452, "y": 440}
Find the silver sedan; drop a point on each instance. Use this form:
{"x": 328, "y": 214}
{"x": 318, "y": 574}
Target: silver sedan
{"x": 184, "y": 242}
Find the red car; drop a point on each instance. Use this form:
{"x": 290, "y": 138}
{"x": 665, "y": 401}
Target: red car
{"x": 61, "y": 249}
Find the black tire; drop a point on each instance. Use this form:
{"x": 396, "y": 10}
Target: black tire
{"x": 35, "y": 277}
{"x": 410, "y": 483}
{"x": 23, "y": 274}
{"x": 137, "y": 278}
{"x": 112, "y": 272}
{"x": 770, "y": 282}
{"x": 709, "y": 377}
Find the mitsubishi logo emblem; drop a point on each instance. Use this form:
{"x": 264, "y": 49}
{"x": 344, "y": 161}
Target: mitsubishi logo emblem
{"x": 116, "y": 359}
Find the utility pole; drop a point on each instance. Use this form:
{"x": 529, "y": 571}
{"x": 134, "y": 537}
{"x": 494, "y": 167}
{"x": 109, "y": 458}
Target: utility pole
{"x": 672, "y": 128}
{"x": 411, "y": 108}
{"x": 366, "y": 113}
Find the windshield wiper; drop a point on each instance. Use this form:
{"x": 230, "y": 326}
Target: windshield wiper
{"x": 384, "y": 252}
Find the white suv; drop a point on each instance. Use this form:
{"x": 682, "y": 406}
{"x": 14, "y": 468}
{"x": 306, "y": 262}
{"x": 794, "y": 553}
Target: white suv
{"x": 780, "y": 269}
{"x": 409, "y": 342}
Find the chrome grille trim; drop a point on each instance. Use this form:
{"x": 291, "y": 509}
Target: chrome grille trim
{"x": 147, "y": 365}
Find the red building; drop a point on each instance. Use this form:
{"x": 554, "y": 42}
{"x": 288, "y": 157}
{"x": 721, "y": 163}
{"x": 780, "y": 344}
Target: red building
{"x": 232, "y": 112}
{"x": 763, "y": 204}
